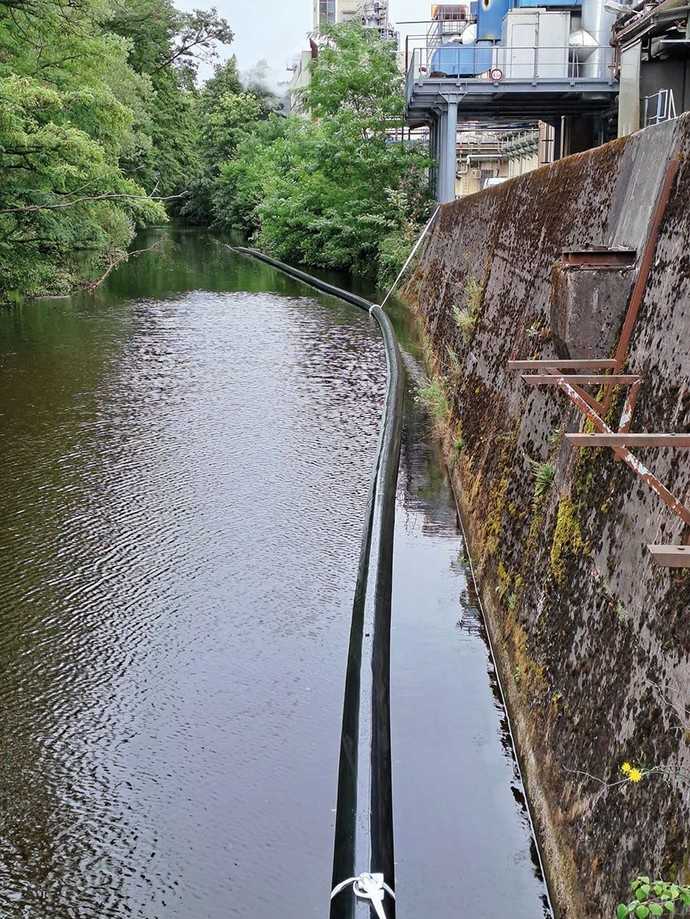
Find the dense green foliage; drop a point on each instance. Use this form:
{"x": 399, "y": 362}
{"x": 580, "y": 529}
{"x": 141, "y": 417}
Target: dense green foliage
{"x": 97, "y": 116}
{"x": 654, "y": 898}
{"x": 103, "y": 130}
{"x": 333, "y": 190}
{"x": 228, "y": 112}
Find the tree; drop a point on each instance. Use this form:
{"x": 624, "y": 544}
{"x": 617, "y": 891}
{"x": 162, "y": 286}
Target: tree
{"x": 85, "y": 136}
{"x": 66, "y": 210}
{"x": 225, "y": 81}
{"x": 99, "y": 119}
{"x": 198, "y": 33}
{"x": 228, "y": 115}
{"x": 162, "y": 35}
{"x": 337, "y": 191}
{"x": 165, "y": 47}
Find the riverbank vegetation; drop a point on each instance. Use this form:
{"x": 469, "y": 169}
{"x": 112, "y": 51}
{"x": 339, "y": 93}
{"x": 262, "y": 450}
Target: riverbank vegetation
{"x": 96, "y": 131}
{"x": 333, "y": 189}
{"x": 104, "y": 129}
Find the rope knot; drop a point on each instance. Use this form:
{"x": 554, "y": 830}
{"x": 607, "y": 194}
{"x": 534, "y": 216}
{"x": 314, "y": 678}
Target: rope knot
{"x": 370, "y": 887}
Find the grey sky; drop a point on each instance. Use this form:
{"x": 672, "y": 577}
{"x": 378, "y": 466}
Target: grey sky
{"x": 276, "y": 29}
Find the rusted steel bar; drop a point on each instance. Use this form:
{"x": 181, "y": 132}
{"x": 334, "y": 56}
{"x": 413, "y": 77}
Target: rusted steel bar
{"x": 598, "y": 258}
{"x": 629, "y": 407}
{"x": 646, "y": 262}
{"x": 589, "y": 399}
{"x": 598, "y": 379}
{"x": 563, "y": 365}
{"x": 671, "y": 556}
{"x": 637, "y": 467}
{"x": 675, "y": 441}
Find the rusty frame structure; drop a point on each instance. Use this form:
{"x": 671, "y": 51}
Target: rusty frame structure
{"x": 571, "y": 375}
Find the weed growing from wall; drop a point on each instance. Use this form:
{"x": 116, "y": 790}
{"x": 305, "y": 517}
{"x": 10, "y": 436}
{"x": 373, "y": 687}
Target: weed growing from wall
{"x": 655, "y": 898}
{"x": 432, "y": 396}
{"x": 466, "y": 317}
{"x": 544, "y": 476}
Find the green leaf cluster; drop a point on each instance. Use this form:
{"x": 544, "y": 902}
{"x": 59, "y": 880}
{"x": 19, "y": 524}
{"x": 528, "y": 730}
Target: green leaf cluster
{"x": 431, "y": 395}
{"x": 334, "y": 190}
{"x": 544, "y": 477}
{"x": 98, "y": 119}
{"x": 654, "y": 898}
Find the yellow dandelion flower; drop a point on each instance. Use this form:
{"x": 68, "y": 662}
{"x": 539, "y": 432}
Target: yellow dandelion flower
{"x": 626, "y": 768}
{"x": 635, "y": 774}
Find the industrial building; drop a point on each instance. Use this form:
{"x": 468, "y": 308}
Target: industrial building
{"x": 578, "y": 72}
{"x": 501, "y": 87}
{"x": 497, "y": 62}
{"x": 653, "y": 46}
{"x": 486, "y": 156}
{"x": 372, "y": 14}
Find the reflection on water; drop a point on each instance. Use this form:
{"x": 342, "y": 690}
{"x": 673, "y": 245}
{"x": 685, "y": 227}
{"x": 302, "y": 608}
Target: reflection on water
{"x": 184, "y": 462}
{"x": 463, "y": 840}
{"x": 183, "y": 465}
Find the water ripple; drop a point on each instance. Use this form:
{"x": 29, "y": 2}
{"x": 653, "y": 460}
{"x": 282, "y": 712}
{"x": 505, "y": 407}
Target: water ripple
{"x": 183, "y": 479}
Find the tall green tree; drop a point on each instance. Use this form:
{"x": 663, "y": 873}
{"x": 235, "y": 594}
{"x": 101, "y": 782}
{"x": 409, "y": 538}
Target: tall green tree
{"x": 166, "y": 46}
{"x": 228, "y": 113}
{"x": 338, "y": 189}
{"x": 67, "y": 108}
{"x": 97, "y": 112}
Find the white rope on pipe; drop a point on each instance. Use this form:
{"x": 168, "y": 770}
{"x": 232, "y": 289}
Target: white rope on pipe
{"x": 367, "y": 886}
{"x": 412, "y": 254}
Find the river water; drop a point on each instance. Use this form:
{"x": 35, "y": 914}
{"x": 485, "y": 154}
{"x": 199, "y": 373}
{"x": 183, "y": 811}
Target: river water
{"x": 184, "y": 462}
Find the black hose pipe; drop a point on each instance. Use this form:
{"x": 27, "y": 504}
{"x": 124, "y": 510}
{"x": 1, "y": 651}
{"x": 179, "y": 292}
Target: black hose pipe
{"x": 364, "y": 811}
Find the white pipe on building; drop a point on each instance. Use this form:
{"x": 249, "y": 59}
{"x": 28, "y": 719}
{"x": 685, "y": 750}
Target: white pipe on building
{"x": 598, "y": 21}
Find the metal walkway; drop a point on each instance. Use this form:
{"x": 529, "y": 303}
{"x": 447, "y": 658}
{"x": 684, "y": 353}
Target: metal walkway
{"x": 539, "y": 84}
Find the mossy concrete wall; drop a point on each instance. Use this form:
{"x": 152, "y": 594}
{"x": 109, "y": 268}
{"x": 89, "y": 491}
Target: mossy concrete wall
{"x": 593, "y": 639}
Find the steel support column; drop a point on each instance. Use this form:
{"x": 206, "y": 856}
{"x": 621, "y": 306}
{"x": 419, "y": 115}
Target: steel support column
{"x": 441, "y": 159}
{"x": 434, "y": 155}
{"x": 557, "y": 139}
{"x": 449, "y": 151}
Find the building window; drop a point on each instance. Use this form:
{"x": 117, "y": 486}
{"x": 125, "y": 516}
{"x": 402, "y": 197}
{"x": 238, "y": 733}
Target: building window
{"x": 326, "y": 12}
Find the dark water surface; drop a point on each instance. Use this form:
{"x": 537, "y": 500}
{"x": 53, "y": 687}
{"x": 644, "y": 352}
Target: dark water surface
{"x": 463, "y": 839}
{"x": 184, "y": 460}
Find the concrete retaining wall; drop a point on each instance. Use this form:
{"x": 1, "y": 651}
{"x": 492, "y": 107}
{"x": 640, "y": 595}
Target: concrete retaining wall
{"x": 594, "y": 640}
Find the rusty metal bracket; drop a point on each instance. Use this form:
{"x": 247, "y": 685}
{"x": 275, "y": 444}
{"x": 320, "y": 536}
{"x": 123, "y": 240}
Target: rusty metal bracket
{"x": 674, "y": 441}
{"x": 671, "y": 556}
{"x": 571, "y": 383}
{"x": 599, "y": 379}
{"x": 625, "y": 455}
{"x": 563, "y": 365}
{"x": 598, "y": 258}
{"x": 625, "y": 422}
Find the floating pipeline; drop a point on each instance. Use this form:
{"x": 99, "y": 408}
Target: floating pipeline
{"x": 363, "y": 863}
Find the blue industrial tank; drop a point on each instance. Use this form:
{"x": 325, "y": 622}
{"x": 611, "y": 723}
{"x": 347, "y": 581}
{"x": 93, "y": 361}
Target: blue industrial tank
{"x": 455, "y": 60}
{"x": 490, "y": 15}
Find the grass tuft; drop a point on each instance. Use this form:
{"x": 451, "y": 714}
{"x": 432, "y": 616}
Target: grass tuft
{"x": 432, "y": 396}
{"x": 544, "y": 476}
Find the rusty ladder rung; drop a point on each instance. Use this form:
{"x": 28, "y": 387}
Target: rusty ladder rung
{"x": 671, "y": 556}
{"x": 563, "y": 365}
{"x": 598, "y": 379}
{"x": 675, "y": 441}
